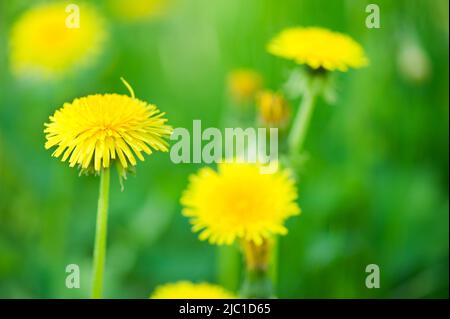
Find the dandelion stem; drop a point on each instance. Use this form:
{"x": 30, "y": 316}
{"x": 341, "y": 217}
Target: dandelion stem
{"x": 300, "y": 126}
{"x": 228, "y": 267}
{"x": 100, "y": 235}
{"x": 257, "y": 282}
{"x": 274, "y": 258}
{"x": 257, "y": 285}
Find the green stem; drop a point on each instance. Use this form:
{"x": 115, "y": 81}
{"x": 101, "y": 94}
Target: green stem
{"x": 257, "y": 282}
{"x": 100, "y": 235}
{"x": 274, "y": 258}
{"x": 301, "y": 123}
{"x": 228, "y": 267}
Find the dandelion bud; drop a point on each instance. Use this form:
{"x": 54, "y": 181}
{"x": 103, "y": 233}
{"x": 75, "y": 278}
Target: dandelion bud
{"x": 273, "y": 109}
{"x": 413, "y": 62}
{"x": 243, "y": 84}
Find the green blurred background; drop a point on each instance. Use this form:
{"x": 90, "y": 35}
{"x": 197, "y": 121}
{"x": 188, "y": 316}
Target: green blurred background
{"x": 375, "y": 188}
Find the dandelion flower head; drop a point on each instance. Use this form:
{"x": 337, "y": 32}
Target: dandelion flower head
{"x": 189, "y": 290}
{"x": 318, "y": 48}
{"x": 239, "y": 202}
{"x": 95, "y": 130}
{"x": 45, "y": 41}
{"x": 137, "y": 10}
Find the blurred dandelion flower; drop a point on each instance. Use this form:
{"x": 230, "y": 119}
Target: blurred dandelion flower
{"x": 238, "y": 202}
{"x": 318, "y": 48}
{"x": 244, "y": 84}
{"x": 42, "y": 44}
{"x": 273, "y": 109}
{"x": 189, "y": 290}
{"x": 97, "y": 129}
{"x": 135, "y": 10}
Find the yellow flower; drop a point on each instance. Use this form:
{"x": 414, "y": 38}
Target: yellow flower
{"x": 96, "y": 129}
{"x": 244, "y": 84}
{"x": 318, "y": 48}
{"x": 42, "y": 43}
{"x": 238, "y": 202}
{"x": 135, "y": 10}
{"x": 188, "y": 290}
{"x": 273, "y": 109}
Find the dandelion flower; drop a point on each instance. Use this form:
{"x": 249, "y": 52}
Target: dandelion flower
{"x": 273, "y": 109}
{"x": 42, "y": 43}
{"x": 188, "y": 290}
{"x": 244, "y": 84}
{"x": 136, "y": 10}
{"x": 318, "y": 48}
{"x": 95, "y": 130}
{"x": 238, "y": 202}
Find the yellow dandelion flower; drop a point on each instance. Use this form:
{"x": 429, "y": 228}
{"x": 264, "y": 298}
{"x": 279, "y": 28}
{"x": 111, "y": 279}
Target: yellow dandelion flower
{"x": 318, "y": 48}
{"x": 238, "y": 202}
{"x": 135, "y": 10}
{"x": 244, "y": 84}
{"x": 94, "y": 130}
{"x": 273, "y": 109}
{"x": 43, "y": 41}
{"x": 189, "y": 290}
